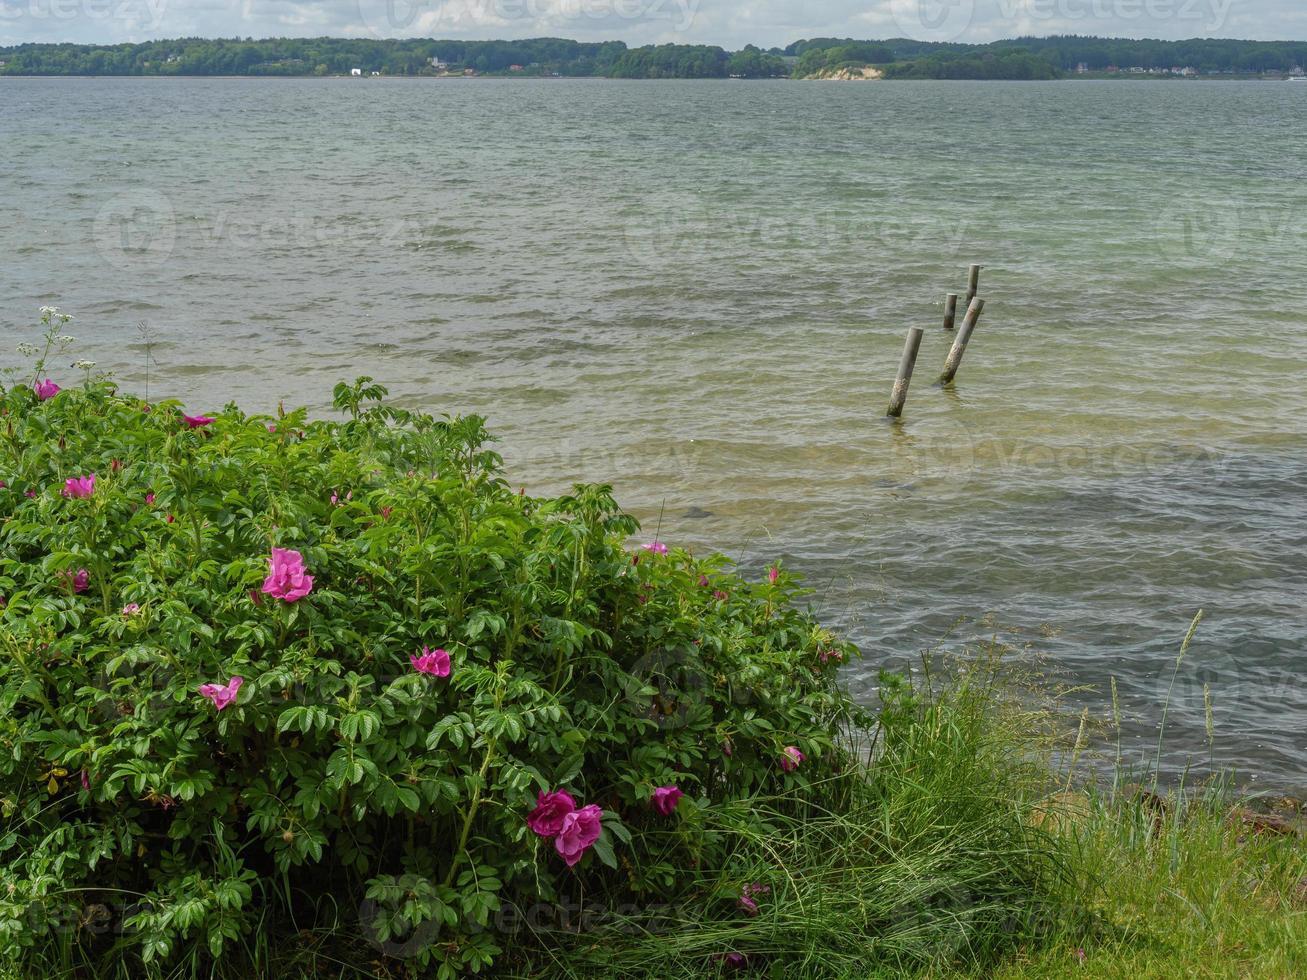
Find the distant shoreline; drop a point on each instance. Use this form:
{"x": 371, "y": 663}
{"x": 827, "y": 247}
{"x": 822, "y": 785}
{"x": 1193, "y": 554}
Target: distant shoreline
{"x": 1124, "y": 79}
{"x": 1020, "y": 59}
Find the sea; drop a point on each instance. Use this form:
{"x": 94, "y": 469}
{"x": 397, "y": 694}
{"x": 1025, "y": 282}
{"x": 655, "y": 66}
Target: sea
{"x": 698, "y": 291}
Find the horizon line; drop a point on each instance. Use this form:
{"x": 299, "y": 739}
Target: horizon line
{"x": 629, "y": 45}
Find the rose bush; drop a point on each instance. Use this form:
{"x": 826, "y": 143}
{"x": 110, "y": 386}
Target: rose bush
{"x": 257, "y": 671}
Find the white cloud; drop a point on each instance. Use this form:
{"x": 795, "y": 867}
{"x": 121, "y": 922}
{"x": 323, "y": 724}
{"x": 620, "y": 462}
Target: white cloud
{"x": 730, "y": 23}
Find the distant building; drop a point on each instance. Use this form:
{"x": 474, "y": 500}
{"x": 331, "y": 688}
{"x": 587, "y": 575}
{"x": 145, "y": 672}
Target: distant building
{"x": 376, "y": 74}
{"x": 1188, "y": 72}
{"x": 469, "y": 72}
{"x": 1112, "y": 69}
{"x": 1296, "y": 73}
{"x": 516, "y": 68}
{"x": 436, "y": 63}
{"x": 356, "y": 72}
{"x": 1082, "y": 69}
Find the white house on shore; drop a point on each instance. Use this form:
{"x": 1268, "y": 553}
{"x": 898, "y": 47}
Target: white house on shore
{"x": 356, "y": 72}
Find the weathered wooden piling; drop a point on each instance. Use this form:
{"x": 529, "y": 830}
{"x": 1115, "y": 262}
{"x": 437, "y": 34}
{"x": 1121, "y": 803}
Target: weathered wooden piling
{"x": 954, "y": 360}
{"x": 973, "y": 283}
{"x": 950, "y": 310}
{"x": 899, "y": 396}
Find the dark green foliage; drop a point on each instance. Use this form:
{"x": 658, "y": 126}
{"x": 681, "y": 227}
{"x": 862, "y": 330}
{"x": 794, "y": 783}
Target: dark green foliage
{"x": 1009, "y": 65}
{"x": 1067, "y": 51}
{"x": 754, "y": 63}
{"x": 343, "y": 789}
{"x": 850, "y": 55}
{"x": 306, "y": 56}
{"x": 672, "y": 61}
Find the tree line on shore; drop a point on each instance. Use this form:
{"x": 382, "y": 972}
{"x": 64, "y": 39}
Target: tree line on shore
{"x": 1021, "y": 58}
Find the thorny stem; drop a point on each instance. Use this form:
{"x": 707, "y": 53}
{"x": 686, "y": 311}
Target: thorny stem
{"x": 475, "y": 802}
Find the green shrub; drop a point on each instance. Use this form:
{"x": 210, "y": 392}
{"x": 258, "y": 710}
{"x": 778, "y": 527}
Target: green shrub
{"x": 145, "y": 825}
{"x": 931, "y": 861}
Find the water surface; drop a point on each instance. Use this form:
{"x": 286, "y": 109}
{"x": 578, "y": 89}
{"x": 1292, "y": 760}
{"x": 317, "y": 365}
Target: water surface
{"x": 698, "y": 291}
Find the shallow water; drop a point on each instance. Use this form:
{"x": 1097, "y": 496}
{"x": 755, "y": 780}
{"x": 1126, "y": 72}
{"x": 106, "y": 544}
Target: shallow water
{"x": 698, "y": 291}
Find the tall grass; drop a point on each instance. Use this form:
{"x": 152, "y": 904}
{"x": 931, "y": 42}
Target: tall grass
{"x": 926, "y": 859}
{"x": 1180, "y": 890}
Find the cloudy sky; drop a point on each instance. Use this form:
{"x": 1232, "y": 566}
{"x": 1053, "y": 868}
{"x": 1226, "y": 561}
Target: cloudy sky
{"x": 730, "y": 23}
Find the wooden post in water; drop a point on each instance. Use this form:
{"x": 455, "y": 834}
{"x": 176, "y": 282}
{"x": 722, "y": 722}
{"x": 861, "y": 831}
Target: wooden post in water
{"x": 950, "y": 310}
{"x": 899, "y": 396}
{"x": 960, "y": 342}
{"x": 973, "y": 283}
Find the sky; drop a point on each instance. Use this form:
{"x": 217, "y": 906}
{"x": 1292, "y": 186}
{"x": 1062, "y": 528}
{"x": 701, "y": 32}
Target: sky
{"x": 729, "y": 23}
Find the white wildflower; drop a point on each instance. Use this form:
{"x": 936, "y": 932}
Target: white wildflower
{"x": 65, "y": 339}
{"x": 27, "y": 350}
{"x": 83, "y": 365}
{"x": 49, "y": 310}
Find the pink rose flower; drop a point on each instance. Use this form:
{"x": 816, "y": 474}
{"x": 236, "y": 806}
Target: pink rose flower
{"x": 149, "y": 498}
{"x": 433, "y": 662}
{"x": 665, "y": 799}
{"x": 580, "y": 829}
{"x": 222, "y": 694}
{"x": 790, "y": 758}
{"x": 79, "y": 580}
{"x": 46, "y": 389}
{"x": 747, "y": 895}
{"x": 656, "y": 547}
{"x": 546, "y": 820}
{"x": 79, "y": 487}
{"x": 131, "y": 609}
{"x": 287, "y": 579}
{"x": 196, "y": 421}
{"x": 773, "y": 574}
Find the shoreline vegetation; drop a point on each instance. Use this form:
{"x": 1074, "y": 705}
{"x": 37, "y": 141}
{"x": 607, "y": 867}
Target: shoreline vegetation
{"x": 1026, "y": 58}
{"x": 332, "y": 698}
